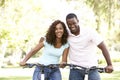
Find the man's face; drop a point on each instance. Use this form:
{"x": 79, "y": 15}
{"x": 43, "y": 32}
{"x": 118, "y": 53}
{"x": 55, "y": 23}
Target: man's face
{"x": 73, "y": 25}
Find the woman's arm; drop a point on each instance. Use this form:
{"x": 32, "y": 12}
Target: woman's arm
{"x": 31, "y": 53}
{"x": 64, "y": 57}
{"x": 65, "y": 54}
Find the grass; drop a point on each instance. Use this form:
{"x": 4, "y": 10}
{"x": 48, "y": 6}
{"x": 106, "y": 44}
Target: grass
{"x": 16, "y": 78}
{"x": 104, "y": 76}
{"x": 113, "y": 76}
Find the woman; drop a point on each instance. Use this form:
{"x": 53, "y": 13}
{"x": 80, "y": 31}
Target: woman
{"x": 55, "y": 45}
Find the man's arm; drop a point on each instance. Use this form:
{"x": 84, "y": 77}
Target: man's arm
{"x": 41, "y": 39}
{"x": 105, "y": 52}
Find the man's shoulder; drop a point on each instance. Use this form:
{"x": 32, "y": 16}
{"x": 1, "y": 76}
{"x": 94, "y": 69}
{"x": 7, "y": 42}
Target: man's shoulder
{"x": 89, "y": 29}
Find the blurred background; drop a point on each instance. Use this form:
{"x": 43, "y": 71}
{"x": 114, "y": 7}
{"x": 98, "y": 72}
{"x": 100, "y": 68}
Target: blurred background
{"x": 23, "y": 22}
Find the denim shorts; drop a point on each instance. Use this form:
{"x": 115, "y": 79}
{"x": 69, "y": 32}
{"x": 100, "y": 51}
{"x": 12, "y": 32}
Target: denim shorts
{"x": 76, "y": 74}
{"x": 49, "y": 73}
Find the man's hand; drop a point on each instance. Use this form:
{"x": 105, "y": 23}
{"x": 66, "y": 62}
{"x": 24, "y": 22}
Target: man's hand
{"x": 109, "y": 69}
{"x": 41, "y": 39}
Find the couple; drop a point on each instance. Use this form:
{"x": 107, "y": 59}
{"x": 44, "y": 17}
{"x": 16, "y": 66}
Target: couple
{"x": 77, "y": 42}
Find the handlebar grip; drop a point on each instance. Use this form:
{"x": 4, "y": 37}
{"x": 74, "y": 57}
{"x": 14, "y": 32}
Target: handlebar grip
{"x": 101, "y": 70}
{"x": 29, "y": 65}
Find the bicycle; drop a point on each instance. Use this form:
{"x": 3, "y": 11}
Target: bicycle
{"x": 71, "y": 66}
{"x": 100, "y": 69}
{"x": 42, "y": 66}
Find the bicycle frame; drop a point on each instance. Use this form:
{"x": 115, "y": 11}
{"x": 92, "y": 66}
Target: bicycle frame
{"x": 42, "y": 66}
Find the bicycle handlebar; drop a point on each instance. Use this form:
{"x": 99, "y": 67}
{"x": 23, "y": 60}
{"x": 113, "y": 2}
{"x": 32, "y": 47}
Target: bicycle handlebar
{"x": 72, "y": 66}
{"x": 100, "y": 69}
{"x": 30, "y": 65}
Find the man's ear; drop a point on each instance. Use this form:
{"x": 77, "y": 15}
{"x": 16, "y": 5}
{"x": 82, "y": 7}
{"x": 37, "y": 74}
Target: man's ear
{"x": 41, "y": 39}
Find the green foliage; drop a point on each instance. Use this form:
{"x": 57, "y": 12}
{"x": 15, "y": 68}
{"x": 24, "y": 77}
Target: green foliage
{"x": 2, "y": 2}
{"x": 4, "y": 34}
{"x": 107, "y": 19}
{"x": 18, "y": 29}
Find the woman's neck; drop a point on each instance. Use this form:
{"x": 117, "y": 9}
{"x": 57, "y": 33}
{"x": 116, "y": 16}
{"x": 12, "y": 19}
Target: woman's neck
{"x": 58, "y": 43}
{"x": 58, "y": 40}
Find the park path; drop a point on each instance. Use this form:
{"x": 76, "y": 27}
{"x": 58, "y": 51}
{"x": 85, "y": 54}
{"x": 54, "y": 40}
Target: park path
{"x": 6, "y": 72}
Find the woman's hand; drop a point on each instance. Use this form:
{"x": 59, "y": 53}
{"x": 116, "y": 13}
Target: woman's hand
{"x": 63, "y": 64}
{"x": 22, "y": 63}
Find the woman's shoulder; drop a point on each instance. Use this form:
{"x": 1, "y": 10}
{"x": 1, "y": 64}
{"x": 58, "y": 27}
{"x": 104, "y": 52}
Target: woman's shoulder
{"x": 66, "y": 45}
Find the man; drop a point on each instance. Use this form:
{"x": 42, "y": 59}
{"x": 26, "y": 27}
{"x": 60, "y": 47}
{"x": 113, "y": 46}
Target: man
{"x": 83, "y": 42}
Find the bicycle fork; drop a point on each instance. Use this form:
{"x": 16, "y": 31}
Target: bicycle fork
{"x": 86, "y": 73}
{"x": 43, "y": 74}
{"x": 43, "y": 77}
{"x": 86, "y": 77}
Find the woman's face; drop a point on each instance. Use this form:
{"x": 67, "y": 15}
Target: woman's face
{"x": 59, "y": 30}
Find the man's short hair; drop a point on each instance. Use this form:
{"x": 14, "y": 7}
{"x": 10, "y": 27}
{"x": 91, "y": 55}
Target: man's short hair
{"x": 71, "y": 15}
